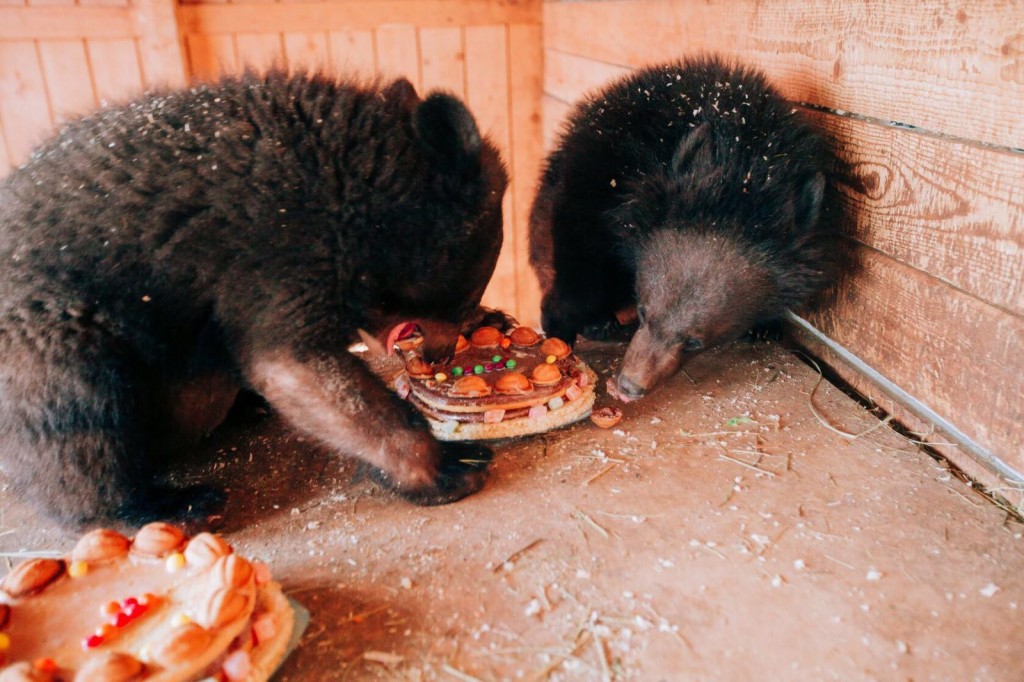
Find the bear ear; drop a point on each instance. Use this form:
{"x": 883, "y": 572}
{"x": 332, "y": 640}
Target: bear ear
{"x": 447, "y": 131}
{"x": 694, "y": 150}
{"x": 402, "y": 92}
{"x": 808, "y": 202}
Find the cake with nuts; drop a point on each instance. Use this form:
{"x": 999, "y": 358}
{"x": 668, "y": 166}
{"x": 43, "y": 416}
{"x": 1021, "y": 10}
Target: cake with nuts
{"x": 161, "y": 607}
{"x": 500, "y": 385}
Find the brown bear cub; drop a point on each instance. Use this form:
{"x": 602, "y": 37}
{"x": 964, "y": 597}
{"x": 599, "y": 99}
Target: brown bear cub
{"x": 160, "y": 255}
{"x": 691, "y": 190}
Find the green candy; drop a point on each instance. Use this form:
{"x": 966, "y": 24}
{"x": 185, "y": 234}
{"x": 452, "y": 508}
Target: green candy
{"x": 478, "y": 369}
{"x": 510, "y": 364}
{"x": 456, "y": 371}
{"x": 496, "y": 358}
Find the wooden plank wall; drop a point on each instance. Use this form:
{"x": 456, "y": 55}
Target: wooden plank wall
{"x": 924, "y": 99}
{"x": 62, "y": 57}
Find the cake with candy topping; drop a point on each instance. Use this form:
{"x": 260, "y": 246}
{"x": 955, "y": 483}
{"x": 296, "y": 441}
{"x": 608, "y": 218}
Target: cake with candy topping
{"x": 157, "y": 608}
{"x": 500, "y": 385}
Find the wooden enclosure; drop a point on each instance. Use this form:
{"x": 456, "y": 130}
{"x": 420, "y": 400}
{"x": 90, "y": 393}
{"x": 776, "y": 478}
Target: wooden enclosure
{"x": 924, "y": 100}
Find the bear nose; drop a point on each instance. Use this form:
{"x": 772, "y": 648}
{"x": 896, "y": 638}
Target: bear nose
{"x": 630, "y": 388}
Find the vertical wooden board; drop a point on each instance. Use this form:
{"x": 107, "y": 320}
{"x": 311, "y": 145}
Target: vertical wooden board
{"x": 487, "y": 95}
{"x": 398, "y": 53}
{"x": 443, "y": 60}
{"x": 67, "y": 77}
{"x": 24, "y": 108}
{"x": 5, "y": 160}
{"x": 352, "y": 52}
{"x": 526, "y": 75}
{"x": 556, "y": 112}
{"x": 211, "y": 55}
{"x": 959, "y": 356}
{"x": 305, "y": 51}
{"x": 115, "y": 69}
{"x": 259, "y": 51}
{"x": 160, "y": 43}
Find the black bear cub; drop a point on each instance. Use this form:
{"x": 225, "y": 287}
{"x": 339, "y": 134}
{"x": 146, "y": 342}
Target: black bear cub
{"x": 160, "y": 255}
{"x": 691, "y": 190}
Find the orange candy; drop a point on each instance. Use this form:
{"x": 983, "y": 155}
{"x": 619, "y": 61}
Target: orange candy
{"x": 45, "y": 665}
{"x": 470, "y": 387}
{"x": 556, "y": 347}
{"x": 486, "y": 336}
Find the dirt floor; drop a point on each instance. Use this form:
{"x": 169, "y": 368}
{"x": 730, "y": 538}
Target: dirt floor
{"x": 721, "y": 532}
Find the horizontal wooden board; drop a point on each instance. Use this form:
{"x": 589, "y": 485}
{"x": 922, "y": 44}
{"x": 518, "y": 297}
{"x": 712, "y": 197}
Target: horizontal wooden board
{"x": 955, "y": 68}
{"x": 569, "y": 77}
{"x": 953, "y": 210}
{"x": 312, "y": 16}
{"x": 956, "y": 354}
{"x": 66, "y": 23}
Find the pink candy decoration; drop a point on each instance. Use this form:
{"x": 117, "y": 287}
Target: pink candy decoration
{"x": 584, "y": 380}
{"x": 264, "y": 627}
{"x": 538, "y": 411}
{"x": 237, "y": 665}
{"x": 573, "y": 392}
{"x": 493, "y": 416}
{"x": 262, "y": 572}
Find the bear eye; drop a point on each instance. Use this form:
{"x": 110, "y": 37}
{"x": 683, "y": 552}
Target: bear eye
{"x": 641, "y": 314}
{"x": 692, "y": 345}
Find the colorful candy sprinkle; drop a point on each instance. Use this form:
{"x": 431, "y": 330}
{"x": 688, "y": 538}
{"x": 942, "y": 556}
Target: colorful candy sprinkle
{"x": 505, "y": 342}
{"x": 45, "y": 665}
{"x": 550, "y": 359}
{"x": 92, "y": 641}
{"x": 440, "y": 376}
{"x": 110, "y": 608}
{"x": 5, "y": 642}
{"x": 77, "y": 569}
{"x": 496, "y": 358}
{"x": 121, "y": 619}
{"x": 456, "y": 371}
{"x": 556, "y": 402}
{"x": 510, "y": 364}
{"x": 180, "y": 619}
{"x": 175, "y": 562}
{"x": 478, "y": 369}
{"x": 106, "y": 631}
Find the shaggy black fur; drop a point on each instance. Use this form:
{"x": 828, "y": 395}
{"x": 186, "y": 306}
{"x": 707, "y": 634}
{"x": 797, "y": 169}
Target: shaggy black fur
{"x": 691, "y": 189}
{"x": 159, "y": 255}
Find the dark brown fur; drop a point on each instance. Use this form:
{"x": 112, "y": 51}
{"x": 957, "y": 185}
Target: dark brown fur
{"x": 692, "y": 191}
{"x": 160, "y": 255}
